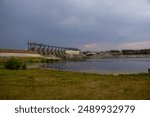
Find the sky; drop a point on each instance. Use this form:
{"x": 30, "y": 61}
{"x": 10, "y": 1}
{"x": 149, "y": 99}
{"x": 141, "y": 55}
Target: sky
{"x": 94, "y": 25}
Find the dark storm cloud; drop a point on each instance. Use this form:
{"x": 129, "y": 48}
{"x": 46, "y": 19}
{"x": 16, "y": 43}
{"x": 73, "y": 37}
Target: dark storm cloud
{"x": 89, "y": 24}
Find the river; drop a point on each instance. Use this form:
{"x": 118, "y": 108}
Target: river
{"x": 105, "y": 66}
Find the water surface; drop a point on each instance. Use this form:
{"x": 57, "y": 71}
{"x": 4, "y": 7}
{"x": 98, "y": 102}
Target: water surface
{"x": 113, "y": 65}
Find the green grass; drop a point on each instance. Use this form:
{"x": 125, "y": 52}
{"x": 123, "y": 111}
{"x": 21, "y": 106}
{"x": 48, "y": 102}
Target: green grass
{"x": 52, "y": 84}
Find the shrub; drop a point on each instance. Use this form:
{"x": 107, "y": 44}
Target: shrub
{"x": 49, "y": 60}
{"x": 24, "y": 66}
{"x": 12, "y": 64}
{"x": 43, "y": 60}
{"x": 30, "y": 61}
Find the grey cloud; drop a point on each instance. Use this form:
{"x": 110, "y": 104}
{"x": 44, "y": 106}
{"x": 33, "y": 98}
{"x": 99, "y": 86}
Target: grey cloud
{"x": 73, "y": 22}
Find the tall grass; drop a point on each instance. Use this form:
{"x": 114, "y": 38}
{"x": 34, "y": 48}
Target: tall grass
{"x": 14, "y": 64}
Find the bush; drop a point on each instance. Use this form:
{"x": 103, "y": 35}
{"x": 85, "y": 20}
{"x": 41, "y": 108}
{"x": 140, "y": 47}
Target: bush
{"x": 13, "y": 64}
{"x": 30, "y": 61}
{"x": 51, "y": 60}
{"x": 43, "y": 60}
{"x": 24, "y": 66}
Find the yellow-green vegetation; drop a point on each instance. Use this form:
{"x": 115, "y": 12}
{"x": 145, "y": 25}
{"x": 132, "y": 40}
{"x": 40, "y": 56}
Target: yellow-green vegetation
{"x": 54, "y": 84}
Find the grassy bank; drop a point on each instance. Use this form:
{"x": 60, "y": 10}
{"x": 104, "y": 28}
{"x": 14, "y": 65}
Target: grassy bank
{"x": 27, "y": 60}
{"x": 52, "y": 84}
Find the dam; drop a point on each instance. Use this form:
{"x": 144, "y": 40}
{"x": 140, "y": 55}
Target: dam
{"x": 60, "y": 52}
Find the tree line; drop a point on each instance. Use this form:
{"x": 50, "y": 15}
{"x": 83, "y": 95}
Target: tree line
{"x": 130, "y": 52}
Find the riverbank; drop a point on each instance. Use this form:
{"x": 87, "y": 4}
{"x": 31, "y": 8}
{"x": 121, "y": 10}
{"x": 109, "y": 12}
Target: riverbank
{"x": 5, "y": 53}
{"x": 110, "y": 56}
{"x": 54, "y": 84}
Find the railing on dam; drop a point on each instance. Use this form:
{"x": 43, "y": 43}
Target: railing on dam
{"x": 48, "y": 50}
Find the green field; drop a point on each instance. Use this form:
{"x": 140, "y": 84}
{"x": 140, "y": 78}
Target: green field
{"x": 53, "y": 84}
